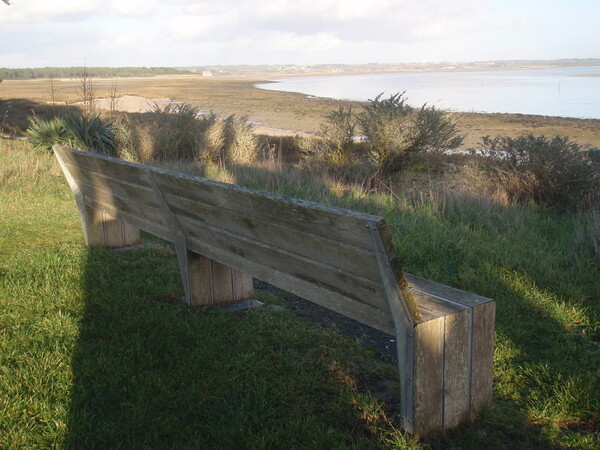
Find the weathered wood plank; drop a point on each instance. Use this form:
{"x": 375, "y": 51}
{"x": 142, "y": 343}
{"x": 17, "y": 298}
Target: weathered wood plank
{"x": 456, "y": 368}
{"x": 118, "y": 169}
{"x": 446, "y": 292}
{"x": 244, "y": 285}
{"x": 333, "y": 300}
{"x": 153, "y": 227}
{"x": 328, "y": 250}
{"x": 97, "y": 182}
{"x": 396, "y": 268}
{"x": 113, "y": 235}
{"x": 343, "y": 225}
{"x": 222, "y": 281}
{"x": 200, "y": 279}
{"x": 482, "y": 366}
{"x": 428, "y": 374}
{"x": 95, "y": 227}
{"x": 125, "y": 206}
{"x": 131, "y": 234}
{"x": 435, "y": 306}
{"x": 315, "y": 272}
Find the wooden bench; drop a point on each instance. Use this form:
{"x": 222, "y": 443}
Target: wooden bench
{"x": 343, "y": 260}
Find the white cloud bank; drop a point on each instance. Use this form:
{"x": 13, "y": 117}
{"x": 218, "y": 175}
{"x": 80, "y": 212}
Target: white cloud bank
{"x": 187, "y": 32}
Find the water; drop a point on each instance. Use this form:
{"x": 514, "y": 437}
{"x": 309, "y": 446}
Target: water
{"x": 562, "y": 91}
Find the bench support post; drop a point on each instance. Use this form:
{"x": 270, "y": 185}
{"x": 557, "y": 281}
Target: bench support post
{"x": 102, "y": 229}
{"x": 213, "y": 283}
{"x": 99, "y": 227}
{"x": 206, "y": 282}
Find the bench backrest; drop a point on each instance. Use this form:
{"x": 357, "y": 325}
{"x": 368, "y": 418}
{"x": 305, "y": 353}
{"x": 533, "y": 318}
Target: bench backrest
{"x": 325, "y": 254}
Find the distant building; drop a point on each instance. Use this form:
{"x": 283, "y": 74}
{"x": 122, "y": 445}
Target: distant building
{"x": 207, "y": 73}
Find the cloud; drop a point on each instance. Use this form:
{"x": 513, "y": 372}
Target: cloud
{"x": 48, "y": 11}
{"x": 188, "y": 32}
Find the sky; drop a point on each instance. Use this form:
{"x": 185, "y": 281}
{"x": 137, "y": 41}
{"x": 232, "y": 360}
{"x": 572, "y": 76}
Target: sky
{"x": 57, "y": 33}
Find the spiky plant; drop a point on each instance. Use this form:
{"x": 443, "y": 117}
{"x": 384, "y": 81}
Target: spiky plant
{"x": 42, "y": 134}
{"x": 90, "y": 133}
{"x": 93, "y": 133}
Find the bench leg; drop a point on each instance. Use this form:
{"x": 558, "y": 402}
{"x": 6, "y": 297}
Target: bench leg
{"x": 212, "y": 283}
{"x": 105, "y": 230}
{"x": 453, "y": 365}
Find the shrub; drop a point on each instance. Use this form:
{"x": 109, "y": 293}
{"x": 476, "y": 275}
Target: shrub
{"x": 242, "y": 144}
{"x": 434, "y": 130}
{"x": 230, "y": 140}
{"x": 214, "y": 138}
{"x": 387, "y": 126}
{"x": 175, "y": 129}
{"x": 394, "y": 130}
{"x": 337, "y": 137}
{"x": 555, "y": 172}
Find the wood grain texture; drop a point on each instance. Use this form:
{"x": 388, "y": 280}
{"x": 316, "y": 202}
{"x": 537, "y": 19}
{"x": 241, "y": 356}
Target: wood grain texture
{"x": 152, "y": 226}
{"x": 251, "y": 251}
{"x": 449, "y": 294}
{"x": 102, "y": 183}
{"x": 327, "y": 249}
{"x": 456, "y": 368}
{"x": 95, "y": 227}
{"x": 222, "y": 282}
{"x": 484, "y": 317}
{"x": 333, "y": 300}
{"x": 347, "y": 226}
{"x": 396, "y": 268}
{"x": 428, "y": 374}
{"x": 118, "y": 169}
{"x": 131, "y": 234}
{"x": 200, "y": 279}
{"x": 244, "y": 285}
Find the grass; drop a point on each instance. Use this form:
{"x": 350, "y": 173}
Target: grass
{"x": 97, "y": 351}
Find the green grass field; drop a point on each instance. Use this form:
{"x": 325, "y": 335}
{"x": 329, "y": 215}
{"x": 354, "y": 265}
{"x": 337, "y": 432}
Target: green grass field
{"x": 97, "y": 351}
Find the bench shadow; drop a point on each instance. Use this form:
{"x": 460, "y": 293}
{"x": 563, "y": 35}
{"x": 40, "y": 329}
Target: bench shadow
{"x": 149, "y": 372}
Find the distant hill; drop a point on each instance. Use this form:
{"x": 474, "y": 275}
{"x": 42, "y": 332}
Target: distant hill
{"x": 108, "y": 72}
{"x": 76, "y": 72}
{"x": 387, "y": 67}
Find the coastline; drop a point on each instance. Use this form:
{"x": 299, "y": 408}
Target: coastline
{"x": 278, "y": 113}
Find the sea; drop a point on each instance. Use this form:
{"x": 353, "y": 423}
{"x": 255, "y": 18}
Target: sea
{"x": 557, "y": 91}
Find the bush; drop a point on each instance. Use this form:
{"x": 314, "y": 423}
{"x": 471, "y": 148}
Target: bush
{"x": 337, "y": 137}
{"x": 387, "y": 126}
{"x": 229, "y": 140}
{"x": 394, "y": 130}
{"x": 555, "y": 172}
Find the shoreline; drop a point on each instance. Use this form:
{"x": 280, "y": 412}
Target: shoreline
{"x": 281, "y": 113}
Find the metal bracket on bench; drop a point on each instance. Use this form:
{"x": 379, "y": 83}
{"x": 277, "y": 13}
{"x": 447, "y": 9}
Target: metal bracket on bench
{"x": 179, "y": 238}
{"x": 403, "y": 324}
